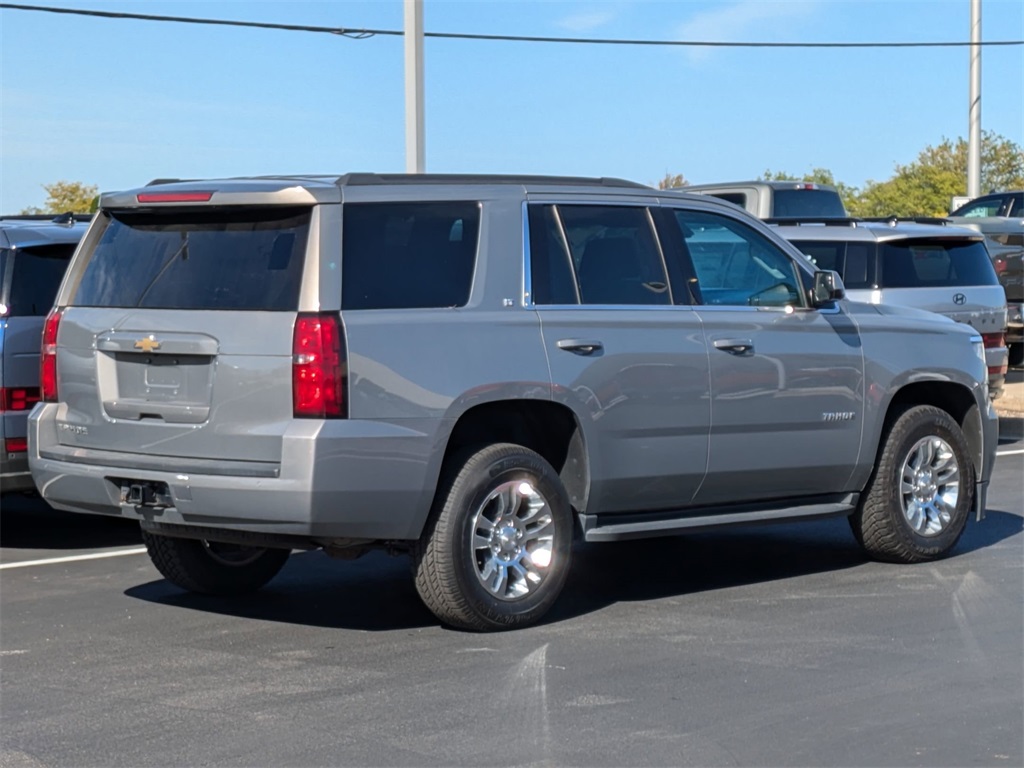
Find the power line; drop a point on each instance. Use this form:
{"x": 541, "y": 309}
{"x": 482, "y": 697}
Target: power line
{"x": 362, "y": 34}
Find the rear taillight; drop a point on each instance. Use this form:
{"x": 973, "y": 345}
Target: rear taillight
{"x": 18, "y": 398}
{"x": 993, "y": 341}
{"x": 318, "y": 367}
{"x": 48, "y": 357}
{"x": 16, "y": 444}
{"x": 999, "y": 265}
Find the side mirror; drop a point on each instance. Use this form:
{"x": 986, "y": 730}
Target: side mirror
{"x": 828, "y": 286}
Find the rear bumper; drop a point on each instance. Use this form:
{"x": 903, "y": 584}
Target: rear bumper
{"x": 336, "y": 479}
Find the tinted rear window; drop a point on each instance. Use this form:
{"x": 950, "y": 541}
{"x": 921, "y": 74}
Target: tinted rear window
{"x": 936, "y": 264}
{"x": 408, "y": 255}
{"x": 216, "y": 258}
{"x": 789, "y": 203}
{"x": 37, "y": 275}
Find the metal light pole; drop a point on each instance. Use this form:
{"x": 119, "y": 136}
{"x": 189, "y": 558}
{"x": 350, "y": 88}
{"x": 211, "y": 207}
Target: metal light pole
{"x": 974, "y": 132}
{"x": 415, "y": 146}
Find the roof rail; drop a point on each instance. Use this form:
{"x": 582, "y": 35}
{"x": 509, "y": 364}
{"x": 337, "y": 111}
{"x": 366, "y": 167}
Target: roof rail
{"x": 828, "y": 221}
{"x": 892, "y": 221}
{"x": 365, "y": 179}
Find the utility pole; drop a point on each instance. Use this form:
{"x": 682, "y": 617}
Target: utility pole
{"x": 974, "y": 113}
{"x": 415, "y": 145}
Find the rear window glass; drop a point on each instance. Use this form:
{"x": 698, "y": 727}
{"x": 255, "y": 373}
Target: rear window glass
{"x": 850, "y": 260}
{"x": 408, "y": 255}
{"x": 789, "y": 203}
{"x": 936, "y": 264}
{"x": 217, "y": 258}
{"x": 37, "y": 275}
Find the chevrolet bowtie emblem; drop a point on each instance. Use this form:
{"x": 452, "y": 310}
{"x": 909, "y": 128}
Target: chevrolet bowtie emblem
{"x": 147, "y": 344}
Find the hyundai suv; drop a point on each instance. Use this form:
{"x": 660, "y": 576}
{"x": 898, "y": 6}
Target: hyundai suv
{"x": 34, "y": 252}
{"x": 915, "y": 263}
{"x": 473, "y": 370}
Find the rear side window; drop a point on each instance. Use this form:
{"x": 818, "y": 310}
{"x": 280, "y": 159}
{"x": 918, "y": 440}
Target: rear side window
{"x": 615, "y": 255}
{"x": 37, "y": 275}
{"x": 216, "y": 258}
{"x": 850, "y": 260}
{"x": 936, "y": 264}
{"x": 792, "y": 203}
{"x": 408, "y": 255}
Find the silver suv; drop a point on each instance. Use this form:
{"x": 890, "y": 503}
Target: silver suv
{"x": 914, "y": 263}
{"x": 34, "y": 252}
{"x": 475, "y": 369}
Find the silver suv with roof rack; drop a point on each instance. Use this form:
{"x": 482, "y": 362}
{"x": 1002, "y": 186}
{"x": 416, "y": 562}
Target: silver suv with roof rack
{"x": 34, "y": 252}
{"x": 474, "y": 370}
{"x": 913, "y": 262}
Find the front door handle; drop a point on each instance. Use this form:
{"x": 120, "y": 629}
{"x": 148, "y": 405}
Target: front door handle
{"x": 735, "y": 346}
{"x": 580, "y": 346}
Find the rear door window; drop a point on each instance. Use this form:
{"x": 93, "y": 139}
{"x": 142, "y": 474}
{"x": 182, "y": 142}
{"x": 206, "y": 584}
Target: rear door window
{"x": 216, "y": 258}
{"x": 615, "y": 255}
{"x": 37, "y": 275}
{"x": 408, "y": 255}
{"x": 936, "y": 264}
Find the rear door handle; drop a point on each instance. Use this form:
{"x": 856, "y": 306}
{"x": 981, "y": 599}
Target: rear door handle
{"x": 735, "y": 346}
{"x": 580, "y": 346}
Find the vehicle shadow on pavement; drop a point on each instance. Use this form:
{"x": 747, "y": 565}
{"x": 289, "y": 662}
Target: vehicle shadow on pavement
{"x": 28, "y": 522}
{"x": 376, "y": 593}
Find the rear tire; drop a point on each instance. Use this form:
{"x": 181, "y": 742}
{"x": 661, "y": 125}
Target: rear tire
{"x": 919, "y": 497}
{"x": 210, "y": 568}
{"x": 1016, "y": 355}
{"x": 496, "y": 550}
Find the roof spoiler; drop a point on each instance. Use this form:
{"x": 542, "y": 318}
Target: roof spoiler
{"x": 829, "y": 221}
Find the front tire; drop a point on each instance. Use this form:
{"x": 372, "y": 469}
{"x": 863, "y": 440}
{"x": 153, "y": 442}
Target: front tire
{"x": 919, "y": 497}
{"x": 210, "y": 568}
{"x": 496, "y": 550}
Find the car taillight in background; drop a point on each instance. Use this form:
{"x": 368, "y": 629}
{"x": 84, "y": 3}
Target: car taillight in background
{"x": 18, "y": 398}
{"x": 993, "y": 341}
{"x": 48, "y": 357}
{"x": 16, "y": 444}
{"x": 318, "y": 367}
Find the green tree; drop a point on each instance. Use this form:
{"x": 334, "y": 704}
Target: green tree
{"x": 673, "y": 180}
{"x": 926, "y": 186}
{"x": 64, "y": 196}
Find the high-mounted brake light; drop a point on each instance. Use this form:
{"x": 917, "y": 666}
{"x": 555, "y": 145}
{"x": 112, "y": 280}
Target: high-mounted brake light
{"x": 174, "y": 197}
{"x": 48, "y": 357}
{"x": 319, "y": 375}
{"x": 18, "y": 398}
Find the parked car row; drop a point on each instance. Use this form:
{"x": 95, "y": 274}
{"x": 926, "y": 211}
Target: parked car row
{"x": 475, "y": 370}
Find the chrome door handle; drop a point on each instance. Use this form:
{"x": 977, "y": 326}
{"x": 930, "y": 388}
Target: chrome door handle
{"x": 735, "y": 346}
{"x": 580, "y": 346}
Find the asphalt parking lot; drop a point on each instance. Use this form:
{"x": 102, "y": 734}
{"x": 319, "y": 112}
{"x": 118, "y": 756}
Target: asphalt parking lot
{"x": 756, "y": 646}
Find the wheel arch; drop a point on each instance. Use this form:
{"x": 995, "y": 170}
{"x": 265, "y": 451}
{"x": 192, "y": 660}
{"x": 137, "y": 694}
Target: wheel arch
{"x": 551, "y": 429}
{"x": 955, "y": 399}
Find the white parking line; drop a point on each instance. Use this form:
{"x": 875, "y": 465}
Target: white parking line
{"x": 1010, "y": 453}
{"x": 75, "y": 558}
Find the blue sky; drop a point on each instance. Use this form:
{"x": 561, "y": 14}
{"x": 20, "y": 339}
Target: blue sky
{"x": 118, "y": 102}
